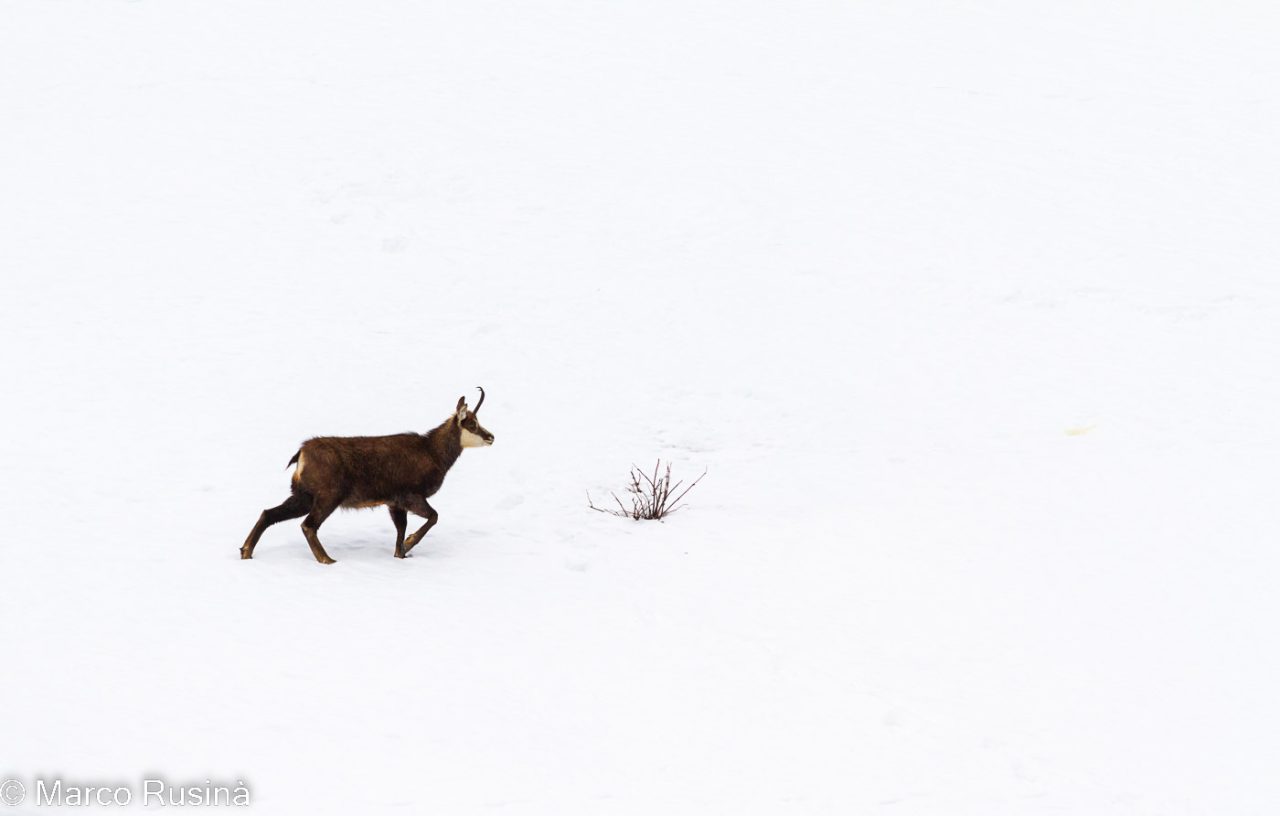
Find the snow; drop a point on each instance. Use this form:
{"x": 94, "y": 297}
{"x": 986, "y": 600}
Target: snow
{"x": 969, "y": 309}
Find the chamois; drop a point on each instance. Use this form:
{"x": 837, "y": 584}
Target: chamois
{"x": 401, "y": 471}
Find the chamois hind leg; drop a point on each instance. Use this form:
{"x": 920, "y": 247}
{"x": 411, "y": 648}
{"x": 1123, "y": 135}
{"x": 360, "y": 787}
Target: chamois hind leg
{"x": 400, "y": 519}
{"x": 419, "y": 507}
{"x": 320, "y": 511}
{"x": 296, "y": 505}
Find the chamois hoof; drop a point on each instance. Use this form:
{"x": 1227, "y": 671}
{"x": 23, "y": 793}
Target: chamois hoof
{"x": 244, "y": 556}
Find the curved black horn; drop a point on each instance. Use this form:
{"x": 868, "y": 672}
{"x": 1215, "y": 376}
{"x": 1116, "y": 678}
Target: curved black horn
{"x": 476, "y": 409}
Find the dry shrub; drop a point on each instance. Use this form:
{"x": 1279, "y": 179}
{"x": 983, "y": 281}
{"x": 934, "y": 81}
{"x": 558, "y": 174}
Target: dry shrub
{"x": 652, "y": 497}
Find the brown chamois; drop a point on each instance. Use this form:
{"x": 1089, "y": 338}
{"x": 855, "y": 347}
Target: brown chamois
{"x": 400, "y": 471}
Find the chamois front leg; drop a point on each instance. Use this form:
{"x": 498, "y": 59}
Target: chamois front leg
{"x": 400, "y": 519}
{"x": 419, "y": 507}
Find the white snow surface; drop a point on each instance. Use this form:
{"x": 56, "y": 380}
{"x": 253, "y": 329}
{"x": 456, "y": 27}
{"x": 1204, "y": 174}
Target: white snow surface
{"x": 969, "y": 309}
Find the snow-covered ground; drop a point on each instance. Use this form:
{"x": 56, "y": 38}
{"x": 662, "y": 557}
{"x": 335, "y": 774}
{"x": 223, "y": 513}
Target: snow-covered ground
{"x": 970, "y": 310}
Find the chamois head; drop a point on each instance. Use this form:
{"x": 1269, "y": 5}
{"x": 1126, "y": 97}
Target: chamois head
{"x": 473, "y": 433}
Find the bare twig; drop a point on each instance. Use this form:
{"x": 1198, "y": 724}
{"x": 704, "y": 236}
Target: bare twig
{"x": 650, "y": 495}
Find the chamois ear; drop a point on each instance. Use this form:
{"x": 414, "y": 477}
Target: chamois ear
{"x": 462, "y": 408}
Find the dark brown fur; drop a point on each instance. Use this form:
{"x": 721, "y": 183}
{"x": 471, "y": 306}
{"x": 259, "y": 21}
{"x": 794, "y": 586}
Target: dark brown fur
{"x": 400, "y": 471}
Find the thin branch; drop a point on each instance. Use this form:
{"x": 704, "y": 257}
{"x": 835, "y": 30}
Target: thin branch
{"x": 652, "y": 497}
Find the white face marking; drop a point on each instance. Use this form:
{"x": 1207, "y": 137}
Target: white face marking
{"x": 470, "y": 440}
